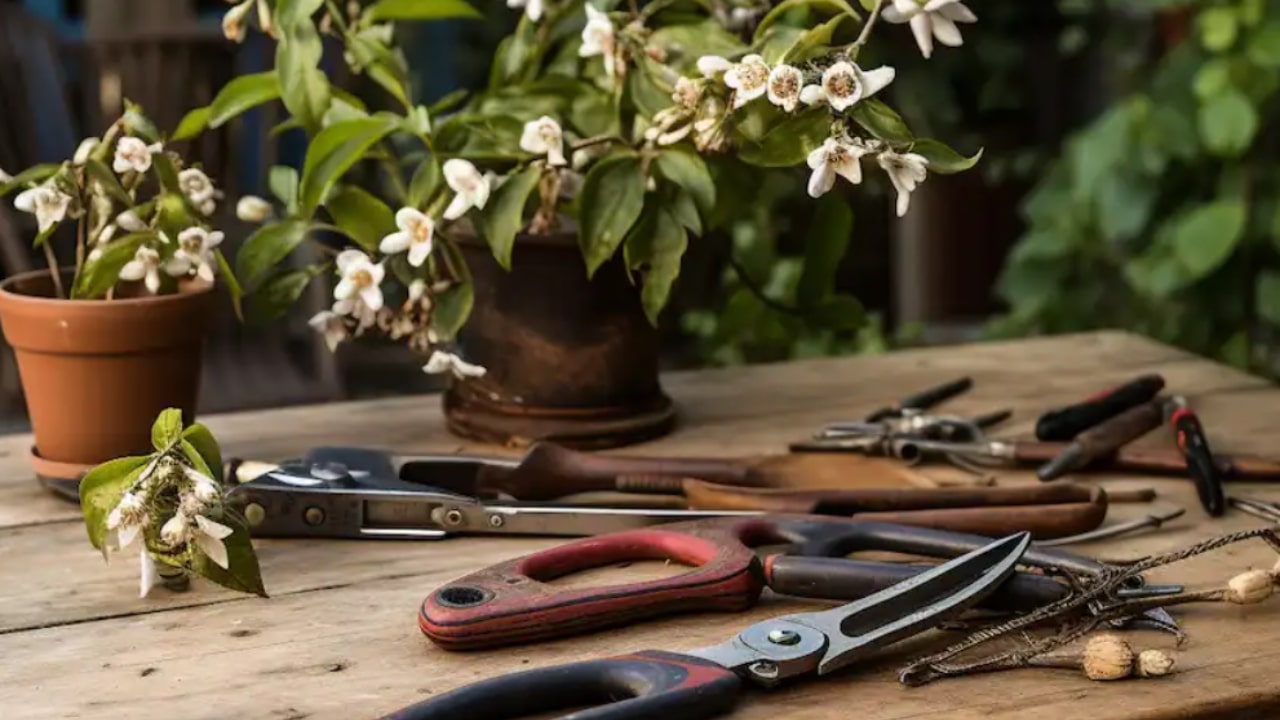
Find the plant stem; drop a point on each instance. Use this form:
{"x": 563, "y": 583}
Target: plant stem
{"x": 866, "y": 29}
{"x": 396, "y": 181}
{"x": 597, "y": 140}
{"x": 756, "y": 290}
{"x": 336, "y": 14}
{"x": 54, "y": 269}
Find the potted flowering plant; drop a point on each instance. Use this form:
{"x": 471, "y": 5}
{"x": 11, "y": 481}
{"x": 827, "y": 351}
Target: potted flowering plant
{"x": 549, "y": 212}
{"x": 106, "y": 342}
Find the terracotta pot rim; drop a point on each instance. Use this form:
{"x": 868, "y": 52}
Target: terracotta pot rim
{"x": 7, "y": 295}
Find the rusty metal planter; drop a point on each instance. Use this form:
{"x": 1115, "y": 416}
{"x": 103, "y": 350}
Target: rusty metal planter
{"x": 569, "y": 359}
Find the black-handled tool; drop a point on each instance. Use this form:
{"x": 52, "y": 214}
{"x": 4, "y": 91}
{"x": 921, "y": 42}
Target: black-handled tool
{"x": 923, "y": 400}
{"x": 1190, "y": 436}
{"x": 1065, "y": 423}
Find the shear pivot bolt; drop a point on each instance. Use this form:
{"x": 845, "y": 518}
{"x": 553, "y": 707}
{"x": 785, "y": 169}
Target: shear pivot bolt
{"x": 453, "y": 517}
{"x": 764, "y": 669}
{"x": 784, "y": 637}
{"x": 496, "y": 521}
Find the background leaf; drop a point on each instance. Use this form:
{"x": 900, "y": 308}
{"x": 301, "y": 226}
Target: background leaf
{"x": 241, "y": 94}
{"x": 502, "y": 217}
{"x": 192, "y": 124}
{"x": 1268, "y": 296}
{"x": 267, "y": 247}
{"x": 101, "y": 274}
{"x": 167, "y": 429}
{"x": 829, "y": 235}
{"x": 363, "y": 217}
{"x": 203, "y": 442}
{"x": 612, "y": 198}
{"x": 333, "y": 151}
{"x": 942, "y": 159}
{"x": 234, "y": 290}
{"x": 690, "y": 172}
{"x": 425, "y": 181}
{"x": 453, "y": 306}
{"x": 1228, "y": 123}
{"x": 421, "y": 10}
{"x": 282, "y": 180}
{"x": 789, "y": 142}
{"x": 830, "y": 7}
{"x": 1207, "y": 236}
{"x": 303, "y": 86}
{"x": 279, "y": 291}
{"x": 656, "y": 246}
{"x": 881, "y": 121}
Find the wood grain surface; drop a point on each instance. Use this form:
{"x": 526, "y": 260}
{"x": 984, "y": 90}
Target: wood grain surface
{"x": 338, "y": 638}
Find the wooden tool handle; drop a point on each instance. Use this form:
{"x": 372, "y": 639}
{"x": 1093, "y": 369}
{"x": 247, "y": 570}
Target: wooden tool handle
{"x": 710, "y": 496}
{"x": 1155, "y": 461}
{"x": 1044, "y": 522}
{"x": 1121, "y": 430}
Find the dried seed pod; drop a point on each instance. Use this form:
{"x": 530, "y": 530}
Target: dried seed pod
{"x": 1107, "y": 657}
{"x": 1249, "y": 587}
{"x": 1154, "y": 663}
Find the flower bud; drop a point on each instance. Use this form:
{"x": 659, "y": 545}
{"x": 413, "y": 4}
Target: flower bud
{"x": 1249, "y": 587}
{"x": 1107, "y": 657}
{"x": 1154, "y": 663}
{"x": 176, "y": 529}
{"x": 85, "y": 149}
{"x": 130, "y": 222}
{"x": 233, "y": 23}
{"x": 252, "y": 208}
{"x": 5, "y": 177}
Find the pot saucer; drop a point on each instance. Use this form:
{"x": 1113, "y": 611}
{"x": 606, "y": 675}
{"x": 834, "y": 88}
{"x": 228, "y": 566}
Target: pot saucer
{"x": 62, "y": 478}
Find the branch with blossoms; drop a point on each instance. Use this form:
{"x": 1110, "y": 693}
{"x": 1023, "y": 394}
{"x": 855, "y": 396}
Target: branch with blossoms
{"x": 612, "y": 120}
{"x": 143, "y": 220}
{"x": 169, "y": 505}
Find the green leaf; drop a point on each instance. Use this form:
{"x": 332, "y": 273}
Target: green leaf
{"x": 192, "y": 124}
{"x": 881, "y": 121}
{"x": 870, "y": 5}
{"x": 690, "y": 172}
{"x": 1219, "y": 27}
{"x": 842, "y": 313}
{"x": 1228, "y": 123}
{"x": 685, "y": 43}
{"x": 167, "y": 429}
{"x": 101, "y": 274}
{"x": 829, "y": 236}
{"x": 778, "y": 42}
{"x": 267, "y": 247}
{"x": 200, "y": 440}
{"x": 303, "y": 86}
{"x": 426, "y": 179}
{"x": 363, "y": 217}
{"x": 108, "y": 180}
{"x": 503, "y": 216}
{"x": 279, "y": 291}
{"x": 1212, "y": 78}
{"x": 647, "y": 91}
{"x": 612, "y": 198}
{"x": 234, "y": 291}
{"x": 282, "y": 180}
{"x": 789, "y": 142}
{"x": 243, "y": 574}
{"x": 942, "y": 159}
{"x": 242, "y": 94}
{"x": 101, "y": 489}
{"x": 1264, "y": 46}
{"x": 447, "y": 103}
{"x": 1207, "y": 236}
{"x": 334, "y": 150}
{"x": 33, "y": 175}
{"x": 655, "y": 246}
{"x": 1268, "y": 296}
{"x": 453, "y": 306}
{"x": 421, "y": 10}
{"x": 814, "y": 41}
{"x": 685, "y": 211}
{"x": 830, "y": 7}
{"x": 193, "y": 456}
{"x": 289, "y": 12}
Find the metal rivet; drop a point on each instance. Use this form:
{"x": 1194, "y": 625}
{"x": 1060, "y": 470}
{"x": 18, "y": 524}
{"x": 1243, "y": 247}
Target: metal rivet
{"x": 764, "y": 669}
{"x": 496, "y": 521}
{"x": 453, "y": 517}
{"x": 784, "y": 637}
{"x": 313, "y": 516}
{"x": 255, "y": 514}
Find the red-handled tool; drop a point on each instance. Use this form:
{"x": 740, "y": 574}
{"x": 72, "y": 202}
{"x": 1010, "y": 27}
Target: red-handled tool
{"x": 513, "y": 602}
{"x": 1065, "y": 423}
{"x": 1190, "y": 436}
{"x": 663, "y": 685}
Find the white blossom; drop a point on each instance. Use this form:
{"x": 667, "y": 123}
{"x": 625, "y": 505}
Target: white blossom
{"x": 144, "y": 266}
{"x": 906, "y": 172}
{"x": 713, "y": 66}
{"x": 46, "y": 202}
{"x": 442, "y": 362}
{"x": 837, "y": 157}
{"x": 361, "y": 278}
{"x": 544, "y": 136}
{"x": 253, "y": 209}
{"x": 130, "y": 222}
{"x": 176, "y": 530}
{"x": 416, "y": 235}
{"x": 845, "y": 84}
{"x": 532, "y": 8}
{"x": 785, "y": 84}
{"x": 332, "y": 326}
{"x": 204, "y": 488}
{"x": 104, "y": 237}
{"x": 150, "y": 574}
{"x": 196, "y": 186}
{"x": 5, "y": 177}
{"x": 598, "y": 39}
{"x": 83, "y": 150}
{"x": 233, "y": 22}
{"x": 209, "y": 536}
{"x": 686, "y": 93}
{"x": 127, "y": 519}
{"x": 471, "y": 187}
{"x": 195, "y": 253}
{"x": 133, "y": 154}
{"x": 931, "y": 19}
{"x": 749, "y": 79}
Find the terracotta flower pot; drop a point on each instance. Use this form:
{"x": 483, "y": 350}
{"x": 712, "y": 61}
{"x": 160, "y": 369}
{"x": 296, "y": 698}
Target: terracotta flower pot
{"x": 569, "y": 359}
{"x": 96, "y": 373}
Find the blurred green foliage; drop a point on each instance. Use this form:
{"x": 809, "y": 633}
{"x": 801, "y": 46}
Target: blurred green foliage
{"x": 1162, "y": 216}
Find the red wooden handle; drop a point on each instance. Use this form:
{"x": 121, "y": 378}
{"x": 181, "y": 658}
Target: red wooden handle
{"x": 511, "y": 603}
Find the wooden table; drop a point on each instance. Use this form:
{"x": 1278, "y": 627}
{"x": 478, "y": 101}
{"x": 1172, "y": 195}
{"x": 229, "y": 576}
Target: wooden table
{"x": 338, "y": 639}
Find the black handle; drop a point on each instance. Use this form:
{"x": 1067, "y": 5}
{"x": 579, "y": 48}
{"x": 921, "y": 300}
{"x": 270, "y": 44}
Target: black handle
{"x": 1201, "y": 465}
{"x": 818, "y": 538}
{"x": 844, "y": 579}
{"x": 649, "y": 685}
{"x": 924, "y": 399}
{"x": 1065, "y": 423}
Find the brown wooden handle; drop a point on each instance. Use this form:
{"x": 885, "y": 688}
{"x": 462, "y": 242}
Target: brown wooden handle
{"x": 710, "y": 496}
{"x": 550, "y": 471}
{"x": 1121, "y": 430}
{"x": 1044, "y": 522}
{"x": 1155, "y": 461}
